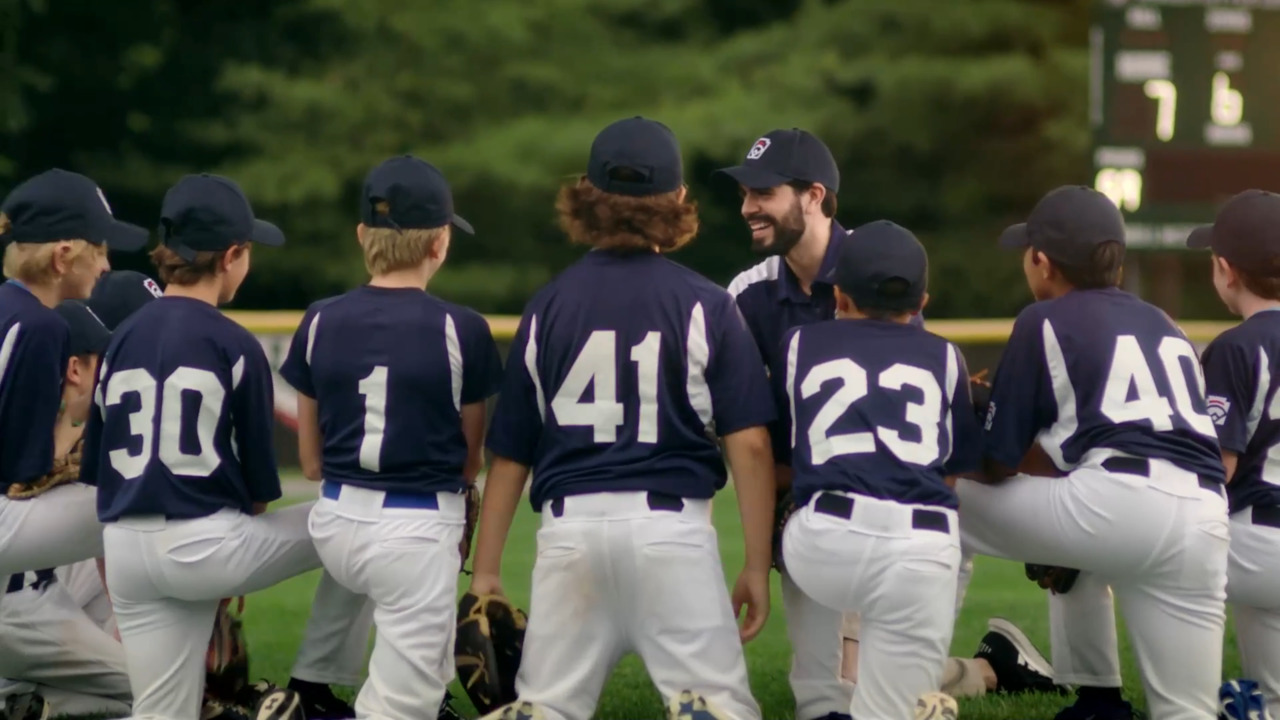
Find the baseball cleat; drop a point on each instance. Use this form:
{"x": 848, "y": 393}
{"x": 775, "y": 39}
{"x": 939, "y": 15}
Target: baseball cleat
{"x": 1241, "y": 700}
{"x": 835, "y": 716}
{"x": 26, "y": 706}
{"x": 319, "y": 702}
{"x": 688, "y": 705}
{"x": 1098, "y": 707}
{"x": 280, "y": 704}
{"x": 937, "y": 706}
{"x": 516, "y": 711}
{"x": 1018, "y": 665}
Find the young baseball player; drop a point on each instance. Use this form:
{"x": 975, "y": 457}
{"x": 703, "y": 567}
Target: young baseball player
{"x": 1108, "y": 392}
{"x": 880, "y": 419}
{"x": 120, "y": 293}
{"x": 179, "y": 444}
{"x": 55, "y": 229}
{"x": 392, "y": 385}
{"x": 623, "y": 373}
{"x": 788, "y": 182}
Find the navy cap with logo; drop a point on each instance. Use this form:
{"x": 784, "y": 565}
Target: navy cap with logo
{"x": 208, "y": 213}
{"x": 88, "y": 336}
{"x": 882, "y": 265}
{"x": 636, "y": 156}
{"x": 416, "y": 193}
{"x": 119, "y": 293}
{"x": 785, "y": 155}
{"x": 1245, "y": 232}
{"x": 60, "y": 205}
{"x": 1067, "y": 224}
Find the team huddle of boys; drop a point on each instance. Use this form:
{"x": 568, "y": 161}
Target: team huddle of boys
{"x": 137, "y": 460}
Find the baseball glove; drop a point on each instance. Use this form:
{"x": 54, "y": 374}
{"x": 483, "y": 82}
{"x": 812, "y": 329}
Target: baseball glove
{"x": 781, "y": 514}
{"x": 227, "y": 659}
{"x": 66, "y": 469}
{"x": 490, "y": 641}
{"x": 1056, "y": 579}
{"x": 980, "y": 391}
{"x": 469, "y": 531}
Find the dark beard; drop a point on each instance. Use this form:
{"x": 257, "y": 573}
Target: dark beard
{"x": 787, "y": 232}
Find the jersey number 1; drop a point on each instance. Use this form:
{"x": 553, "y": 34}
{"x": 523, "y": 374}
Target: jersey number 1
{"x": 597, "y": 366}
{"x": 374, "y": 389}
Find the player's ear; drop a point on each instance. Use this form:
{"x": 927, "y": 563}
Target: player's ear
{"x": 74, "y": 370}
{"x": 361, "y": 229}
{"x": 844, "y": 304}
{"x": 682, "y": 193}
{"x": 1229, "y": 275}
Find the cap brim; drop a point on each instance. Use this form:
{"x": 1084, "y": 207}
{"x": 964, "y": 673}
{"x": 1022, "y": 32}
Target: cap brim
{"x": 463, "y": 225}
{"x": 1015, "y": 237}
{"x": 1201, "y": 238}
{"x": 126, "y": 237}
{"x": 264, "y": 233}
{"x": 752, "y": 177}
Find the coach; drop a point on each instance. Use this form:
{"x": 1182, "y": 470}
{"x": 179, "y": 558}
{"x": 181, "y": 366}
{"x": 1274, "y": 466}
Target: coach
{"x": 788, "y": 182}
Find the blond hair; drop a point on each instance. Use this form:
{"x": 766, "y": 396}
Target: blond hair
{"x": 32, "y": 263}
{"x": 387, "y": 249}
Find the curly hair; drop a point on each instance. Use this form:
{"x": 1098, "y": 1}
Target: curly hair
{"x": 597, "y": 219}
{"x": 173, "y": 269}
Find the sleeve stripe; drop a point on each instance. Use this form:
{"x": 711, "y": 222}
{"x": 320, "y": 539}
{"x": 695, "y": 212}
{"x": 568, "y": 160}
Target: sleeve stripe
{"x": 6, "y": 349}
{"x": 1260, "y": 398}
{"x": 793, "y": 355}
{"x": 454, "y": 349}
{"x": 953, "y": 376}
{"x": 698, "y": 354}
{"x": 1064, "y": 393}
{"x": 311, "y": 336}
{"x": 531, "y": 366}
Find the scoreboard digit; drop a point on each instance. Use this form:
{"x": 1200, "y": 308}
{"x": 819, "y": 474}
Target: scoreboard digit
{"x": 1184, "y": 108}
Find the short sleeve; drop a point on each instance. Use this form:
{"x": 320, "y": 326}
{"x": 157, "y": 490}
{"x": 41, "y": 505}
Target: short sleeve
{"x": 253, "y": 414}
{"x": 1014, "y": 415}
{"x": 736, "y": 378}
{"x": 516, "y": 427}
{"x": 1230, "y": 379}
{"x": 31, "y": 393}
{"x": 296, "y": 368}
{"x": 481, "y": 363}
{"x": 966, "y": 434}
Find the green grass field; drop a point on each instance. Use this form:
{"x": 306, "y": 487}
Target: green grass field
{"x": 274, "y": 621}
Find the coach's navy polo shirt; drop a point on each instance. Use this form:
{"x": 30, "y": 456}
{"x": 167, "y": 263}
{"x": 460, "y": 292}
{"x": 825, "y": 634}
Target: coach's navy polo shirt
{"x": 772, "y": 301}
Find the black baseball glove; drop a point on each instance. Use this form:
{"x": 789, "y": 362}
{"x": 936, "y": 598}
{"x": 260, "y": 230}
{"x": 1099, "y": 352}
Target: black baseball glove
{"x": 490, "y": 642}
{"x": 980, "y": 391}
{"x": 1050, "y": 577}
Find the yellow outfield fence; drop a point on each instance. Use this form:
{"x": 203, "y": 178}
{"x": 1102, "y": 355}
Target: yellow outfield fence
{"x": 977, "y": 332}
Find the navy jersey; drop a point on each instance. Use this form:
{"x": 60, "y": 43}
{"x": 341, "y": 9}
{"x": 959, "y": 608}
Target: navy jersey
{"x": 390, "y": 370}
{"x": 878, "y": 408}
{"x": 772, "y": 301}
{"x": 34, "y": 347}
{"x": 182, "y": 420}
{"x": 1242, "y": 380}
{"x": 623, "y": 371}
{"x": 1100, "y": 369}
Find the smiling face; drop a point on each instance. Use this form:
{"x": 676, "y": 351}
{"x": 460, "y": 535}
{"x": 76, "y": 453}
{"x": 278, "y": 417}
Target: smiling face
{"x": 776, "y": 217}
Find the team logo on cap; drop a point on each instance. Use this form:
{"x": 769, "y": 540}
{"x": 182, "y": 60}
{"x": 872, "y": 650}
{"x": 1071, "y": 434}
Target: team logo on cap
{"x": 151, "y": 285}
{"x": 758, "y": 149}
{"x": 1218, "y": 409}
{"x": 103, "y": 198}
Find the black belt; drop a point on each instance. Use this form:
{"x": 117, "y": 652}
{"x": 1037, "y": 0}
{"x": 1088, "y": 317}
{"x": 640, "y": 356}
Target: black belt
{"x": 17, "y": 581}
{"x": 841, "y": 506}
{"x": 1142, "y": 466}
{"x": 657, "y": 501}
{"x": 1266, "y": 515}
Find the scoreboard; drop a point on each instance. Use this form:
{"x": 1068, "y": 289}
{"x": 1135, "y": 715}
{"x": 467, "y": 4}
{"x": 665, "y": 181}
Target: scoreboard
{"x": 1184, "y": 108}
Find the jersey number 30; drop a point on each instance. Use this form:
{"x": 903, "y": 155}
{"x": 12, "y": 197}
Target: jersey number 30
{"x": 185, "y": 381}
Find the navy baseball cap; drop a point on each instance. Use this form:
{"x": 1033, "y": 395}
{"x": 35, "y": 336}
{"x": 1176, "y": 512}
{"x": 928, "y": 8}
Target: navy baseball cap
{"x": 1245, "y": 232}
{"x": 875, "y": 254}
{"x": 207, "y": 213}
{"x": 646, "y": 148}
{"x": 1067, "y": 224}
{"x": 785, "y": 155}
{"x": 119, "y": 293}
{"x": 416, "y": 192}
{"x": 89, "y": 336}
{"x": 60, "y": 205}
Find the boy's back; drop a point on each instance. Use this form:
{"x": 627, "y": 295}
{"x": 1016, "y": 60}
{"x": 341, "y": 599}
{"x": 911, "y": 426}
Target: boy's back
{"x": 391, "y": 369}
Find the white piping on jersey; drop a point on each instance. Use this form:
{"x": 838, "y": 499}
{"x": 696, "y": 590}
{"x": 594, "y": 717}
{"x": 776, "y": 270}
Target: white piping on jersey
{"x": 1064, "y": 393}
{"x": 452, "y": 347}
{"x": 311, "y": 336}
{"x": 237, "y": 373}
{"x": 699, "y": 353}
{"x": 760, "y": 272}
{"x": 793, "y": 354}
{"x": 953, "y": 375}
{"x": 1260, "y": 398}
{"x": 6, "y": 349}
{"x": 531, "y": 366}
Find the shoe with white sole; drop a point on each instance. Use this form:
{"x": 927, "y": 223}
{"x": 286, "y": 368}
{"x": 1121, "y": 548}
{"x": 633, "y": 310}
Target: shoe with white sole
{"x": 1018, "y": 665}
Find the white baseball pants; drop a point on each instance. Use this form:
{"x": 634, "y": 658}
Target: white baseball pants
{"x": 406, "y": 561}
{"x": 817, "y": 648}
{"x": 896, "y": 565}
{"x": 167, "y": 577}
{"x": 57, "y": 528}
{"x": 1154, "y": 534}
{"x": 630, "y": 572}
